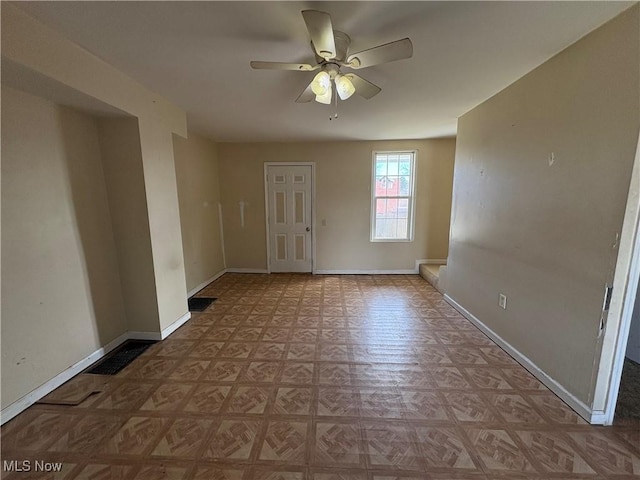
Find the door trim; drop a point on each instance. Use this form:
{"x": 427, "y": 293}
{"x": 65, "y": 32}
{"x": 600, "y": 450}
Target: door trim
{"x": 313, "y": 208}
{"x": 625, "y": 285}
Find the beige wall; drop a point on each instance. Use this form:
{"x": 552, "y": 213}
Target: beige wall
{"x": 544, "y": 234}
{"x": 343, "y": 189}
{"x": 197, "y": 174}
{"x": 61, "y": 295}
{"x": 42, "y": 340}
{"x": 122, "y": 164}
{"x": 31, "y": 45}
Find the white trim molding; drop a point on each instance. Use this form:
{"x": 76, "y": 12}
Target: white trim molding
{"x": 366, "y": 272}
{"x": 246, "y": 270}
{"x": 430, "y": 261}
{"x": 576, "y": 404}
{"x": 195, "y": 290}
{"x": 402, "y": 271}
{"x": 626, "y": 283}
{"x": 356, "y": 271}
{"x": 46, "y": 388}
{"x": 49, "y": 386}
{"x": 156, "y": 336}
{"x": 174, "y": 326}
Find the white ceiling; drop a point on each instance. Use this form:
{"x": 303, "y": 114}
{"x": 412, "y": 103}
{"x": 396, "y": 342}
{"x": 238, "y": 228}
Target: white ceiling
{"x": 197, "y": 55}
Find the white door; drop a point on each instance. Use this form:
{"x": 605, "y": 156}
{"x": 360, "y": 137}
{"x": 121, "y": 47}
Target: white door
{"x": 289, "y": 217}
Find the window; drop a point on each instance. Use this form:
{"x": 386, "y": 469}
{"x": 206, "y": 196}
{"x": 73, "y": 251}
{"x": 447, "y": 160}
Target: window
{"x": 392, "y": 196}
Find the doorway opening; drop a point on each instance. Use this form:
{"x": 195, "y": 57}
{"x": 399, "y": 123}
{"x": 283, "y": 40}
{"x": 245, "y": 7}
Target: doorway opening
{"x": 628, "y": 405}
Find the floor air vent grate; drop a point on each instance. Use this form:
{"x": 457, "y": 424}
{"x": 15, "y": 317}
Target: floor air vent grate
{"x": 121, "y": 357}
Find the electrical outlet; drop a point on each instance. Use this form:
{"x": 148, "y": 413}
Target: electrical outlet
{"x": 502, "y": 301}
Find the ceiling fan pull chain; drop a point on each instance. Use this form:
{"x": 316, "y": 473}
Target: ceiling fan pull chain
{"x": 335, "y": 104}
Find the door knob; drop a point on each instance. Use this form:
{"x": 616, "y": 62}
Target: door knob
{"x": 308, "y": 229}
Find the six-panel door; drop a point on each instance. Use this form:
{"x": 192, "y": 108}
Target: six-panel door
{"x": 289, "y": 209}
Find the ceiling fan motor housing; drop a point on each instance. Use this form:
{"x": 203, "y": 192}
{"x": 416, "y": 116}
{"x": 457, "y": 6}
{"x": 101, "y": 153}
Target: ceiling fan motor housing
{"x": 332, "y": 69}
{"x": 342, "y": 42}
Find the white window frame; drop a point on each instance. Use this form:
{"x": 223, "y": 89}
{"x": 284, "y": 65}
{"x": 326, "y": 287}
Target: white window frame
{"x": 411, "y": 196}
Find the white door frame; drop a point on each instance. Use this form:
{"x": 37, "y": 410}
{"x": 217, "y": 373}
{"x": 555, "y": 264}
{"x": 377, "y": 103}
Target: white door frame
{"x": 623, "y": 333}
{"x": 313, "y": 208}
{"x": 625, "y": 286}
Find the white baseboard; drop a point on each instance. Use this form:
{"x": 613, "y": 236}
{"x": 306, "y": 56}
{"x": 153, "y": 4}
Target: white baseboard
{"x": 195, "y": 290}
{"x": 175, "y": 325}
{"x": 157, "y": 336}
{"x": 415, "y": 271}
{"x": 576, "y": 404}
{"x": 246, "y": 270}
{"x": 344, "y": 272}
{"x": 430, "y": 261}
{"x": 49, "y": 386}
{"x": 46, "y": 388}
{"x": 599, "y": 417}
{"x": 365, "y": 272}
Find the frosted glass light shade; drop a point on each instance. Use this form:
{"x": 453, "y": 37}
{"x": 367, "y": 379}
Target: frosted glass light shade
{"x": 326, "y": 98}
{"x": 344, "y": 87}
{"x": 321, "y": 83}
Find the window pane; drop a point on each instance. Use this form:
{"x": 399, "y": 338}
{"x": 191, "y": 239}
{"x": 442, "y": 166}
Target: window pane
{"x": 386, "y": 228}
{"x": 403, "y": 208}
{"x": 392, "y": 207}
{"x": 402, "y": 231}
{"x": 381, "y": 186}
{"x": 404, "y": 185}
{"x": 392, "y": 196}
{"x": 392, "y": 186}
{"x": 381, "y": 165}
{"x": 392, "y": 167}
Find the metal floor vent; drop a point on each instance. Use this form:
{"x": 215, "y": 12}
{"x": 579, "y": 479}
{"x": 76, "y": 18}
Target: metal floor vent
{"x": 120, "y": 357}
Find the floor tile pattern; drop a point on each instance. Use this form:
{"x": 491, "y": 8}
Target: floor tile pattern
{"x": 302, "y": 377}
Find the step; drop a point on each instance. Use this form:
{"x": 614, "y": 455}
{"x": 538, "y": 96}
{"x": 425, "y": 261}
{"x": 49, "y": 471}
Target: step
{"x": 432, "y": 273}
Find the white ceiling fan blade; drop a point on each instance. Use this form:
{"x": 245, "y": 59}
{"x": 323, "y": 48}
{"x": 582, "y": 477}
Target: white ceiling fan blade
{"x": 321, "y": 32}
{"x": 364, "y": 88}
{"x": 389, "y": 52}
{"x": 302, "y": 67}
{"x": 306, "y": 96}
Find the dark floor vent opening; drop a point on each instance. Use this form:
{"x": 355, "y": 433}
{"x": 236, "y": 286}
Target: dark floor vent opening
{"x": 200, "y": 304}
{"x": 120, "y": 357}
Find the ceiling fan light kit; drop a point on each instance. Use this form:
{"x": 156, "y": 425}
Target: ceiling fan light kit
{"x": 321, "y": 83}
{"x": 344, "y": 87}
{"x": 331, "y": 49}
{"x": 325, "y": 98}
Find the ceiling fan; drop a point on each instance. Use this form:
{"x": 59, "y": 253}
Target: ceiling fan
{"x": 331, "y": 49}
